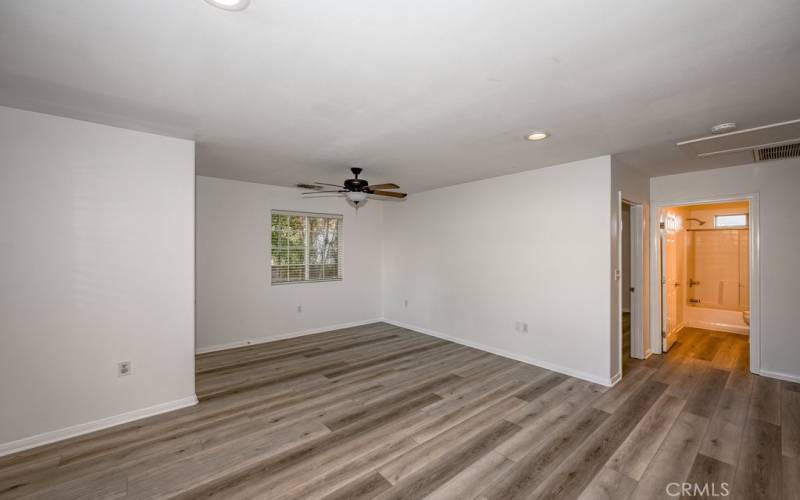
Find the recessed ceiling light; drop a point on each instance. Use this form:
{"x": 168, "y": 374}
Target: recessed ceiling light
{"x": 537, "y": 136}
{"x": 230, "y": 4}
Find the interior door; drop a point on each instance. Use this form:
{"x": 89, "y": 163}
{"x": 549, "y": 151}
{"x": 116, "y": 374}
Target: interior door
{"x": 637, "y": 281}
{"x": 669, "y": 285}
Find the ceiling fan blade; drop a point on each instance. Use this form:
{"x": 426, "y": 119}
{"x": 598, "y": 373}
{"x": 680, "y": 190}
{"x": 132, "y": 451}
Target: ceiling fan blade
{"x": 318, "y": 192}
{"x": 384, "y": 186}
{"x": 330, "y": 194}
{"x": 389, "y": 193}
{"x": 326, "y": 184}
{"x": 303, "y": 185}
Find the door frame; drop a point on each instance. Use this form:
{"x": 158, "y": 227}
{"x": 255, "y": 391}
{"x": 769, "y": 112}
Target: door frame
{"x": 637, "y": 232}
{"x": 755, "y": 269}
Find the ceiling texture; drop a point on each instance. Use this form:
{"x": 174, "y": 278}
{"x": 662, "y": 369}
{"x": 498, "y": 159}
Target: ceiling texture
{"x": 424, "y": 93}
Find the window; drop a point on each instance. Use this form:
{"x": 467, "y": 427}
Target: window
{"x": 305, "y": 247}
{"x": 737, "y": 220}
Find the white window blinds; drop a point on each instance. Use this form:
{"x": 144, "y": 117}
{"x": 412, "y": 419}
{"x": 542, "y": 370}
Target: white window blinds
{"x": 305, "y": 247}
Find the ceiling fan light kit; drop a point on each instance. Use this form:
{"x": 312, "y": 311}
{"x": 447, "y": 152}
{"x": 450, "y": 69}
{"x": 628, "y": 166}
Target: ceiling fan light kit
{"x": 355, "y": 190}
{"x": 356, "y": 196}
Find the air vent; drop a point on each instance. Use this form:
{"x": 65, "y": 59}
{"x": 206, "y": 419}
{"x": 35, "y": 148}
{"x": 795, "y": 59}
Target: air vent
{"x": 765, "y": 137}
{"x": 777, "y": 152}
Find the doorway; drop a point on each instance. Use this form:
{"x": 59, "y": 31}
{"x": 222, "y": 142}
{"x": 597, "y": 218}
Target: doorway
{"x": 631, "y": 282}
{"x": 707, "y": 272}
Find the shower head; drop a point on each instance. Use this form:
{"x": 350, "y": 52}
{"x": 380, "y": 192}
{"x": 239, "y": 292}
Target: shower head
{"x": 701, "y": 222}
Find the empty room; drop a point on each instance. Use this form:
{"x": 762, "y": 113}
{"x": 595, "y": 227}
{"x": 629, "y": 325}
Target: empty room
{"x": 258, "y": 249}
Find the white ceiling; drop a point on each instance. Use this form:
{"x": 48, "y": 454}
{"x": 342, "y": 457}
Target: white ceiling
{"x": 424, "y": 93}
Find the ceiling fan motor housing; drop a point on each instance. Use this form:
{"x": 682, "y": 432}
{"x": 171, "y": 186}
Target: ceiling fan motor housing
{"x": 355, "y": 184}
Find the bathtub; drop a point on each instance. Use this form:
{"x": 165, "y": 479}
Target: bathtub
{"x": 715, "y": 319}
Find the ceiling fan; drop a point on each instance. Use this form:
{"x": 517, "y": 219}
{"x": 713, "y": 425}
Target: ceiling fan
{"x": 355, "y": 189}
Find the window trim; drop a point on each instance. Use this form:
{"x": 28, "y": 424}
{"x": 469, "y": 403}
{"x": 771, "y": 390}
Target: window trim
{"x": 307, "y": 215}
{"x": 746, "y": 221}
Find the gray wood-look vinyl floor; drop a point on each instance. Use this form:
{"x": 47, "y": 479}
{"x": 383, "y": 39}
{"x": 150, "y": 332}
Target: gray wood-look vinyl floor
{"x": 382, "y": 412}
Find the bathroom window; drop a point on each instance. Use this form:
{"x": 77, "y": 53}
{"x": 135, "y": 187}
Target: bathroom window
{"x": 737, "y": 220}
{"x": 305, "y": 247}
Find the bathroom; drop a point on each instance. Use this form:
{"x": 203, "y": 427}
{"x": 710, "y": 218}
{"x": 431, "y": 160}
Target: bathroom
{"x": 706, "y": 268}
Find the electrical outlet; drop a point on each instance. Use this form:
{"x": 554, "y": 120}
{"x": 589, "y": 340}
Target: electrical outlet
{"x": 521, "y": 326}
{"x": 299, "y": 309}
{"x": 405, "y": 303}
{"x": 124, "y": 368}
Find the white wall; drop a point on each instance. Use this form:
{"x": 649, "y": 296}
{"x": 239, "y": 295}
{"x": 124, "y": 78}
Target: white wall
{"x": 778, "y": 186}
{"x": 96, "y": 265}
{"x": 474, "y": 258}
{"x": 236, "y": 302}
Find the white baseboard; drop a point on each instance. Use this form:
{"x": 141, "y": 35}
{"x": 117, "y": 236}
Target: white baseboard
{"x": 282, "y": 336}
{"x": 788, "y": 377}
{"x": 500, "y": 352}
{"x": 96, "y": 425}
{"x": 85, "y": 428}
{"x": 720, "y": 327}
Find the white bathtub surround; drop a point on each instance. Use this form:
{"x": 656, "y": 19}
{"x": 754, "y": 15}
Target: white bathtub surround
{"x": 717, "y": 270}
{"x": 717, "y": 263}
{"x": 715, "y": 319}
